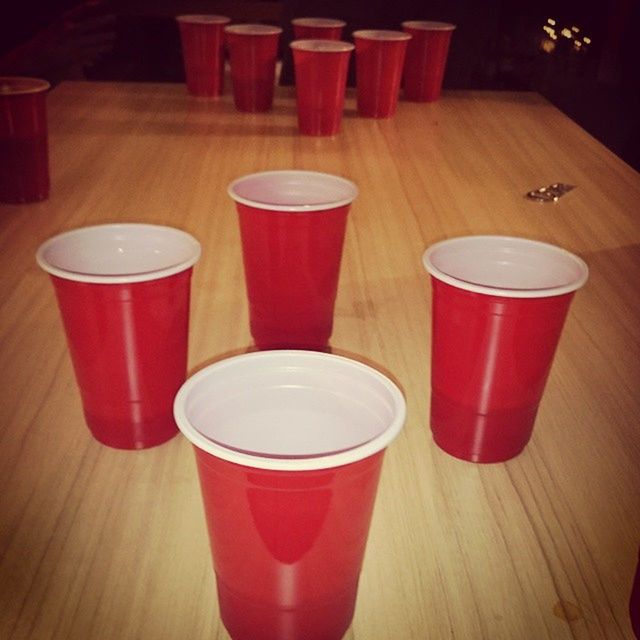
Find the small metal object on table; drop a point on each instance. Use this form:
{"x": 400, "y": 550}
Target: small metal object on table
{"x": 552, "y": 193}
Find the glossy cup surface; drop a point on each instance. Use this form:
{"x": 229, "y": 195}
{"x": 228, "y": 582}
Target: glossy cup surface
{"x": 498, "y": 308}
{"x": 123, "y": 292}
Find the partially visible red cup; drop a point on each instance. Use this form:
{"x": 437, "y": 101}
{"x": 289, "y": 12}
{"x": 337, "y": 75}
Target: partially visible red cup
{"x": 253, "y": 49}
{"x": 317, "y": 28}
{"x": 123, "y": 291}
{"x": 202, "y": 38}
{"x": 24, "y": 144}
{"x": 321, "y": 79}
{"x": 634, "y": 603}
{"x": 292, "y": 226}
{"x": 426, "y": 60}
{"x": 289, "y": 446}
{"x": 380, "y": 56}
{"x": 498, "y": 308}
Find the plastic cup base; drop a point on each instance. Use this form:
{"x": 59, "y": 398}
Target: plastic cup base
{"x": 132, "y": 436}
{"x": 465, "y": 434}
{"x": 243, "y": 617}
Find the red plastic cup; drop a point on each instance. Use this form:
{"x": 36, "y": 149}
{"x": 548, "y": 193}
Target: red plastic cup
{"x": 252, "y": 55}
{"x": 123, "y": 293}
{"x": 202, "y": 38}
{"x": 292, "y": 226}
{"x": 289, "y": 447}
{"x": 380, "y": 58}
{"x": 634, "y": 603}
{"x": 321, "y": 79}
{"x": 24, "y": 151}
{"x": 499, "y": 305}
{"x": 426, "y": 60}
{"x": 317, "y": 28}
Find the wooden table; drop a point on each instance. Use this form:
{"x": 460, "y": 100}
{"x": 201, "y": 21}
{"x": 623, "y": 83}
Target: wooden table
{"x": 104, "y": 544}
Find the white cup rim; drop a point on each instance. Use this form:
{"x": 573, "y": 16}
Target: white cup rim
{"x": 323, "y": 46}
{"x": 346, "y": 191}
{"x": 251, "y": 29}
{"x": 203, "y": 18}
{"x": 184, "y": 258}
{"x": 575, "y": 271}
{"x": 292, "y": 358}
{"x": 22, "y": 85}
{"x": 318, "y": 22}
{"x": 429, "y": 25}
{"x": 384, "y": 35}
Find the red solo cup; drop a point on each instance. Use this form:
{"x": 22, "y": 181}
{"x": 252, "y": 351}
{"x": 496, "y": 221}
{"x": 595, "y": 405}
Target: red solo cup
{"x": 123, "y": 292}
{"x": 289, "y": 447}
{"x": 321, "y": 79}
{"x": 24, "y": 151}
{"x": 292, "y": 226}
{"x": 426, "y": 59}
{"x": 317, "y": 28}
{"x": 499, "y": 305}
{"x": 202, "y": 40}
{"x": 380, "y": 58}
{"x": 634, "y": 603}
{"x": 252, "y": 55}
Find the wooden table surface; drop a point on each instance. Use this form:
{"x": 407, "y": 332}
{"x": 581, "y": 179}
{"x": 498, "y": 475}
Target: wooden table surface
{"x": 101, "y": 544}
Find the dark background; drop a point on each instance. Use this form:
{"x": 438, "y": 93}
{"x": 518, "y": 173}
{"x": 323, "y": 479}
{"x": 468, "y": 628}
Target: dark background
{"x": 498, "y": 45}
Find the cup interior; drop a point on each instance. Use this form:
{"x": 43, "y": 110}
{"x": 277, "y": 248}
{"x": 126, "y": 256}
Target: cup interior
{"x": 278, "y": 409}
{"x": 293, "y": 190}
{"x": 118, "y": 253}
{"x": 501, "y": 265}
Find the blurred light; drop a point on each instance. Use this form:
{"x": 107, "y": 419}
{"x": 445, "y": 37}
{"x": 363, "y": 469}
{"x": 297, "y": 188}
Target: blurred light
{"x": 551, "y": 21}
{"x": 586, "y": 40}
{"x": 548, "y": 46}
{"x": 566, "y": 32}
{"x": 575, "y": 29}
{"x": 554, "y": 36}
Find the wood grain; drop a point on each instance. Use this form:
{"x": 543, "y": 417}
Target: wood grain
{"x": 97, "y": 543}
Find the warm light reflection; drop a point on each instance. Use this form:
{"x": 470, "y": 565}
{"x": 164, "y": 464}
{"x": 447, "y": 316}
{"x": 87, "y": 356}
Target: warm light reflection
{"x": 548, "y": 46}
